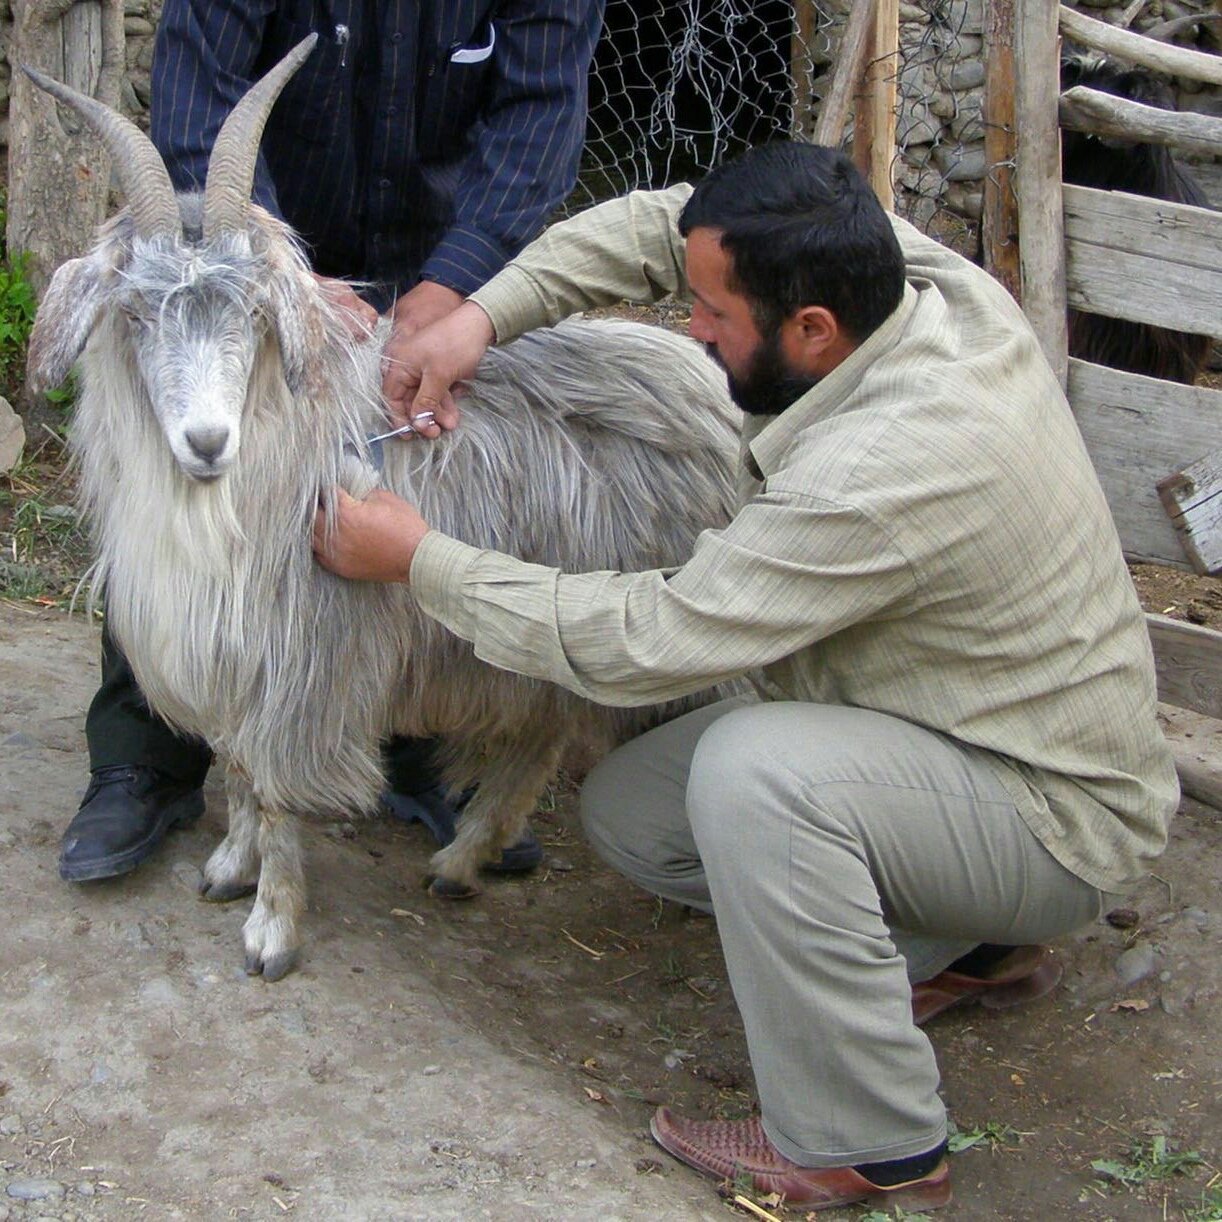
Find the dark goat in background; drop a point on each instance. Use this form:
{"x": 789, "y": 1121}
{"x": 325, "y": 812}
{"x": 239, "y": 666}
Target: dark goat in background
{"x": 1139, "y": 169}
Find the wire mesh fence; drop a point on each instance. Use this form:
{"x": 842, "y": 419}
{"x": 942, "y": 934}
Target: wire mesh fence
{"x": 680, "y": 85}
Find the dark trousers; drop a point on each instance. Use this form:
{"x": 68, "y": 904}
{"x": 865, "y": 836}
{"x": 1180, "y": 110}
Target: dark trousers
{"x": 121, "y": 729}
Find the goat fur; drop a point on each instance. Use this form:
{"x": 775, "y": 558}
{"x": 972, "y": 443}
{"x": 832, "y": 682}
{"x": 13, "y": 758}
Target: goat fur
{"x": 589, "y": 446}
{"x": 1139, "y": 169}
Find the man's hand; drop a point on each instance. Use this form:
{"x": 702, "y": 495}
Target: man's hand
{"x": 373, "y": 540}
{"x": 424, "y": 305}
{"x": 418, "y": 371}
{"x": 359, "y": 315}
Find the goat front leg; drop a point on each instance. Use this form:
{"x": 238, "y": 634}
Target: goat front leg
{"x": 270, "y": 932}
{"x": 233, "y": 869}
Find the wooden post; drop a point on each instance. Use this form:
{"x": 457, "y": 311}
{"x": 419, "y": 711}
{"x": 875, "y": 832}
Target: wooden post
{"x": 58, "y": 171}
{"x": 834, "y": 111}
{"x": 1038, "y": 178}
{"x": 999, "y": 220}
{"x": 874, "y": 116}
{"x": 800, "y": 69}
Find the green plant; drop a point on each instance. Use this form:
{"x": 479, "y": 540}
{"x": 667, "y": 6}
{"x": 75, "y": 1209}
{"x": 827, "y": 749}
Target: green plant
{"x": 17, "y": 306}
{"x": 1146, "y": 1164}
{"x": 1209, "y": 1209}
{"x": 991, "y": 1133}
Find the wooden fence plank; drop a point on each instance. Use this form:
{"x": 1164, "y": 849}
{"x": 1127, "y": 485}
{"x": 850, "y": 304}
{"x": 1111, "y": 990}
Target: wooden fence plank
{"x": 1141, "y": 225}
{"x": 1139, "y": 431}
{"x": 1116, "y": 241}
{"x": 1138, "y": 49}
{"x": 1188, "y": 659}
{"x": 1038, "y": 178}
{"x": 1088, "y": 110}
{"x": 874, "y": 114}
{"x": 1193, "y": 501}
{"x": 1142, "y": 288}
{"x": 999, "y": 220}
{"x": 846, "y": 75}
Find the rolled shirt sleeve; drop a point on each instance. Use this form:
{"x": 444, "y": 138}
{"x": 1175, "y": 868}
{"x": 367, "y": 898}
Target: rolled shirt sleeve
{"x": 751, "y": 594}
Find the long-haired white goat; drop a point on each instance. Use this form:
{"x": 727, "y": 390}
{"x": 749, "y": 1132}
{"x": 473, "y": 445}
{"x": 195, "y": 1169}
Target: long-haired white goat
{"x": 220, "y": 393}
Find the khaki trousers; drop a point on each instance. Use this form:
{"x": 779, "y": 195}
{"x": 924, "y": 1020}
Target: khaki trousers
{"x": 843, "y": 853}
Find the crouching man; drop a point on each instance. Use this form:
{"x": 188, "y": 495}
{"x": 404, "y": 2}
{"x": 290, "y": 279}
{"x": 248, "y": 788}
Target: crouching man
{"x": 956, "y": 751}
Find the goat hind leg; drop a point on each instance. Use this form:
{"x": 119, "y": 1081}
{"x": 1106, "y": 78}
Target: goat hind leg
{"x": 497, "y": 816}
{"x": 233, "y": 869}
{"x": 270, "y": 933}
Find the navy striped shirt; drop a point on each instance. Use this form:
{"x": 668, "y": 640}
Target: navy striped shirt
{"x": 420, "y": 140}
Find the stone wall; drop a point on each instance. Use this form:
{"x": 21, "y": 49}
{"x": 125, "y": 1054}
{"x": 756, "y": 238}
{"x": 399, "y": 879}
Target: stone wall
{"x": 941, "y": 162}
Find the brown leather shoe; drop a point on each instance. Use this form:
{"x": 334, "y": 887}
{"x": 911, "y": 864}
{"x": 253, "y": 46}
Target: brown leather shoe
{"x": 729, "y": 1149}
{"x": 1023, "y": 975}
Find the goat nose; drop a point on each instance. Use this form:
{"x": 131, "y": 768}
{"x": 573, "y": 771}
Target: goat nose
{"x": 208, "y": 442}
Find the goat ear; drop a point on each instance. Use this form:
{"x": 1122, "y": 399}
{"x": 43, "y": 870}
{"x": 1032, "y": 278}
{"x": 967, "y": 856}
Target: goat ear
{"x": 297, "y": 319}
{"x": 65, "y": 318}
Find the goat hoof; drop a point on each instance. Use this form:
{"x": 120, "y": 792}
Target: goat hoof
{"x": 450, "y": 889}
{"x": 223, "y": 892}
{"x": 273, "y": 968}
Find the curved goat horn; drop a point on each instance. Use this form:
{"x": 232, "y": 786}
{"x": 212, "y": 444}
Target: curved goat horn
{"x": 141, "y": 172}
{"x": 231, "y": 169}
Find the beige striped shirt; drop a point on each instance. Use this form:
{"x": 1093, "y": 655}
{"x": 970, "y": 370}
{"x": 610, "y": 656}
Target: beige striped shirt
{"x": 921, "y": 534}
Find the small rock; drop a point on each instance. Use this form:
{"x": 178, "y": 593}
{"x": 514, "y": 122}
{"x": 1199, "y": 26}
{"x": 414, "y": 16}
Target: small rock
{"x": 676, "y": 1057}
{"x": 1135, "y": 964}
{"x": 35, "y": 1190}
{"x": 560, "y": 864}
{"x": 101, "y": 1073}
{"x": 1176, "y": 997}
{"x": 86, "y": 1189}
{"x": 1124, "y": 918}
{"x": 10, "y": 1125}
{"x": 189, "y": 874}
{"x": 431, "y": 1070}
{"x": 1198, "y": 917}
{"x": 584, "y": 1164}
{"x": 647, "y": 1166}
{"x": 293, "y": 1021}
{"x": 19, "y": 740}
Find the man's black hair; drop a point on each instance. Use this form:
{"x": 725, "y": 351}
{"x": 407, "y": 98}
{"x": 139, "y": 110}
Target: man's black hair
{"x": 802, "y": 227}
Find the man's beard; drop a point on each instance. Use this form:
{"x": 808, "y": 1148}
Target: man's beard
{"x": 768, "y": 387}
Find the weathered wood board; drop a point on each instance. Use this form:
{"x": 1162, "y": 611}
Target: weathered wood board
{"x": 1144, "y": 260}
{"x": 1189, "y": 662}
{"x": 1139, "y": 431}
{"x": 1193, "y": 501}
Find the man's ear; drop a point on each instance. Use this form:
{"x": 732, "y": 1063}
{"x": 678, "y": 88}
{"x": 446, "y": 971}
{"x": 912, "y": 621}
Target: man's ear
{"x": 813, "y": 341}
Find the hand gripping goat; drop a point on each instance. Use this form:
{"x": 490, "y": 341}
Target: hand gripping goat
{"x": 220, "y": 393}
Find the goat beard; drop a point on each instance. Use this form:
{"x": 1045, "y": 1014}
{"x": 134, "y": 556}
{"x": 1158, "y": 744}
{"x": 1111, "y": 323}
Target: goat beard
{"x": 768, "y": 385}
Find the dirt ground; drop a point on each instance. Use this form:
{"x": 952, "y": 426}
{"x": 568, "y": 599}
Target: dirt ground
{"x": 500, "y": 1058}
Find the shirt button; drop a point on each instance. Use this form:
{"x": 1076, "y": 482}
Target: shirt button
{"x": 391, "y": 111}
{"x": 396, "y": 37}
{"x": 384, "y": 183}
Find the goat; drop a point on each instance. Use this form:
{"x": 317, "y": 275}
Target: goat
{"x": 221, "y": 395}
{"x": 1140, "y": 169}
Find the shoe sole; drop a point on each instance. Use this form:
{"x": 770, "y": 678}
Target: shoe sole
{"x": 180, "y": 813}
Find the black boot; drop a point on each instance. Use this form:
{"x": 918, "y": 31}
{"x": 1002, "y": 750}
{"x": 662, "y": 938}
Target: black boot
{"x": 125, "y": 814}
{"x": 440, "y": 815}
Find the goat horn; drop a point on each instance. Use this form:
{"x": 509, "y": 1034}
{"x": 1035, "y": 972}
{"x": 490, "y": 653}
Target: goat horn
{"x": 137, "y": 163}
{"x": 231, "y": 169}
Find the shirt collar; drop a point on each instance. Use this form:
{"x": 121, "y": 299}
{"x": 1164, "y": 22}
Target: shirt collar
{"x": 775, "y": 435}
